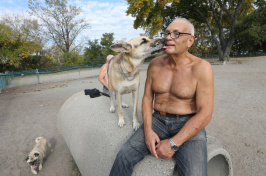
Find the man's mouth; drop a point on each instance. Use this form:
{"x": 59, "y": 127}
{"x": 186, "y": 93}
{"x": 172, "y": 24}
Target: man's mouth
{"x": 166, "y": 46}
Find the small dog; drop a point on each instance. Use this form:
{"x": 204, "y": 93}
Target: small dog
{"x": 123, "y": 71}
{"x": 36, "y": 156}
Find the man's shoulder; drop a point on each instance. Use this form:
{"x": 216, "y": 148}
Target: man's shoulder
{"x": 158, "y": 60}
{"x": 202, "y": 67}
{"x": 200, "y": 63}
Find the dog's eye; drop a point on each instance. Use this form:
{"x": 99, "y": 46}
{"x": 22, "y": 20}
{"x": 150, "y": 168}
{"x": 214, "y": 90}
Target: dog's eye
{"x": 144, "y": 41}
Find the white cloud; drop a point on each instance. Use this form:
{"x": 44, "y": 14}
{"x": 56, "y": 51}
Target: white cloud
{"x": 103, "y": 16}
{"x": 108, "y": 17}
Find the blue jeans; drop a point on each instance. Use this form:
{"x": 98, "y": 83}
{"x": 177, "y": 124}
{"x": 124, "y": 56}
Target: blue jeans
{"x": 191, "y": 158}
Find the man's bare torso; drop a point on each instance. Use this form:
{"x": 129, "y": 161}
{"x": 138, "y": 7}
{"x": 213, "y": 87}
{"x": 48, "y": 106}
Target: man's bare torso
{"x": 174, "y": 86}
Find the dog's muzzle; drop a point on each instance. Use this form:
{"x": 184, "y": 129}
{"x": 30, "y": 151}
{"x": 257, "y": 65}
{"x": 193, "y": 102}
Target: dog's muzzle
{"x": 158, "y": 42}
{"x": 34, "y": 163}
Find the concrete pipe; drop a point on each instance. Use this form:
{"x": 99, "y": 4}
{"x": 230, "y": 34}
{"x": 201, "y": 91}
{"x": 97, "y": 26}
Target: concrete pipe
{"x": 94, "y": 138}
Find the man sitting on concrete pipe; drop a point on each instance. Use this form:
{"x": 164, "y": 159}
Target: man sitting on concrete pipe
{"x": 182, "y": 88}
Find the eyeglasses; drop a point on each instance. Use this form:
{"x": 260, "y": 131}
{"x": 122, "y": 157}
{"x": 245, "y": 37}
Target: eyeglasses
{"x": 173, "y": 35}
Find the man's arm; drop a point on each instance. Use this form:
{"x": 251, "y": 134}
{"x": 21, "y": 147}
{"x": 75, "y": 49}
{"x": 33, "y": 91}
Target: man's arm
{"x": 102, "y": 75}
{"x": 204, "y": 103}
{"x": 150, "y": 136}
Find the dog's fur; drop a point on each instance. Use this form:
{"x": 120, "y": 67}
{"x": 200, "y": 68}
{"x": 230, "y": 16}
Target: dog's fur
{"x": 123, "y": 71}
{"x": 36, "y": 156}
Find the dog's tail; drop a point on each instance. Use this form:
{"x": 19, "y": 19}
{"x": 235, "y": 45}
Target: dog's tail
{"x": 37, "y": 139}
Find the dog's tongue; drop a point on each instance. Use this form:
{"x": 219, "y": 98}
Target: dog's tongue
{"x": 34, "y": 166}
{"x": 165, "y": 47}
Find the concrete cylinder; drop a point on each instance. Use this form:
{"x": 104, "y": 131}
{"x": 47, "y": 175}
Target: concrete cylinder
{"x": 219, "y": 160}
{"x": 94, "y": 138}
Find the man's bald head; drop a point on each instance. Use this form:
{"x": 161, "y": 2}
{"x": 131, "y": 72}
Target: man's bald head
{"x": 190, "y": 25}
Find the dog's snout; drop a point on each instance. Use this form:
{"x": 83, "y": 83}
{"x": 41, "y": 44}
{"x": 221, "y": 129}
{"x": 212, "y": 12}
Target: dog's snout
{"x": 160, "y": 41}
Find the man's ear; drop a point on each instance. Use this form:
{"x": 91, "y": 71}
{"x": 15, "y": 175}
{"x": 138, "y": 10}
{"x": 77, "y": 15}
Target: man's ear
{"x": 190, "y": 41}
{"x": 121, "y": 47}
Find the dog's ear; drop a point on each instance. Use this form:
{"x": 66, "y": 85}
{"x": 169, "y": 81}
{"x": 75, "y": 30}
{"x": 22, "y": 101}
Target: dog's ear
{"x": 27, "y": 158}
{"x": 121, "y": 47}
{"x": 36, "y": 154}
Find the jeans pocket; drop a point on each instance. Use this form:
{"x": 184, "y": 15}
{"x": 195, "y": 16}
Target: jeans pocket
{"x": 184, "y": 118}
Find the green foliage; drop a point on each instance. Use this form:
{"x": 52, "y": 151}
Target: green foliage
{"x": 97, "y": 53}
{"x": 219, "y": 16}
{"x": 72, "y": 58}
{"x": 251, "y": 31}
{"x": 106, "y": 41}
{"x": 15, "y": 48}
{"x": 93, "y": 54}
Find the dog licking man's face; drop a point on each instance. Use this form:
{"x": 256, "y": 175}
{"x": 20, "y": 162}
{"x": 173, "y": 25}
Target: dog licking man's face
{"x": 145, "y": 47}
{"x": 140, "y": 47}
{"x": 33, "y": 159}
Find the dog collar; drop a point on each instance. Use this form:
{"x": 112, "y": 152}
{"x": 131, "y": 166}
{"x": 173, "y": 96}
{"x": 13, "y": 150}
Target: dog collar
{"x": 129, "y": 78}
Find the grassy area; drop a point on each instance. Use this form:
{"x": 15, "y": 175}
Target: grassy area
{"x": 75, "y": 169}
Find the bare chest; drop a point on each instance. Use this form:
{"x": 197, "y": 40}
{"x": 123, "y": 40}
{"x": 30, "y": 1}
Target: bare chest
{"x": 178, "y": 83}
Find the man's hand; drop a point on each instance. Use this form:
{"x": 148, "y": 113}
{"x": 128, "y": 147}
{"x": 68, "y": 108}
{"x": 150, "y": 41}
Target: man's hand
{"x": 164, "y": 150}
{"x": 151, "y": 138}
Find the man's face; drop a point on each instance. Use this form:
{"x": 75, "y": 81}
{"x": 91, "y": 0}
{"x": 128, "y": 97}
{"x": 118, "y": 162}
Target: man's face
{"x": 180, "y": 44}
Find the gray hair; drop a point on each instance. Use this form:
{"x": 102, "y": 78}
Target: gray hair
{"x": 190, "y": 25}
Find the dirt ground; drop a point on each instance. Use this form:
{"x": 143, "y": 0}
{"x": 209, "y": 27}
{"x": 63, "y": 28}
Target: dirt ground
{"x": 239, "y": 119}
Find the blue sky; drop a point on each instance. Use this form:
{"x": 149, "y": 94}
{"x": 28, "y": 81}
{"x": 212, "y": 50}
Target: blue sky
{"x": 104, "y": 16}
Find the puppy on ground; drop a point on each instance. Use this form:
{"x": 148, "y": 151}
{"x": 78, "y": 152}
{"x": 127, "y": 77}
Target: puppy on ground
{"x": 123, "y": 71}
{"x": 36, "y": 156}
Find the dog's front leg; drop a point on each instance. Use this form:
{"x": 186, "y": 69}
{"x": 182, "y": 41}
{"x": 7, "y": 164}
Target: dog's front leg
{"x": 121, "y": 121}
{"x": 135, "y": 95}
{"x": 112, "y": 107}
{"x": 40, "y": 166}
{"x": 33, "y": 170}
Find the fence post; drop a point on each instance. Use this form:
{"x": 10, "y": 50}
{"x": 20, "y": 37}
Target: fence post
{"x": 1, "y": 87}
{"x": 37, "y": 72}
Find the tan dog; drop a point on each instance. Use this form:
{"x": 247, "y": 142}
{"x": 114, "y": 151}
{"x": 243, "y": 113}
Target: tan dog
{"x": 123, "y": 71}
{"x": 37, "y": 154}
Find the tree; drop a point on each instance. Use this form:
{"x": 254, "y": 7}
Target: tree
{"x": 220, "y": 16}
{"x": 93, "y": 54}
{"x": 16, "y": 47}
{"x": 60, "y": 21}
{"x": 106, "y": 41}
{"x": 32, "y": 42}
{"x": 251, "y": 31}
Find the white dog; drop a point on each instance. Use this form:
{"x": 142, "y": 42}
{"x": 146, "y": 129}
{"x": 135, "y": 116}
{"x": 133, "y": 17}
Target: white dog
{"x": 36, "y": 156}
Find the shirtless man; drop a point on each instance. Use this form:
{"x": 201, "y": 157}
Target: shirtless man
{"x": 103, "y": 77}
{"x": 182, "y": 88}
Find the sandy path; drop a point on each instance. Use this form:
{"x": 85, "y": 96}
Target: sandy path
{"x": 238, "y": 122}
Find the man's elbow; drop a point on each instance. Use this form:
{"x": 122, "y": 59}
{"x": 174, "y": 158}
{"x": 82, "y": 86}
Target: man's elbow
{"x": 207, "y": 118}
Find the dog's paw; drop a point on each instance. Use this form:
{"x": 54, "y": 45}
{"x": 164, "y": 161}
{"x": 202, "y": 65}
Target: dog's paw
{"x": 34, "y": 172}
{"x": 112, "y": 109}
{"x": 124, "y": 105}
{"x": 135, "y": 125}
{"x": 40, "y": 167}
{"x": 121, "y": 123}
